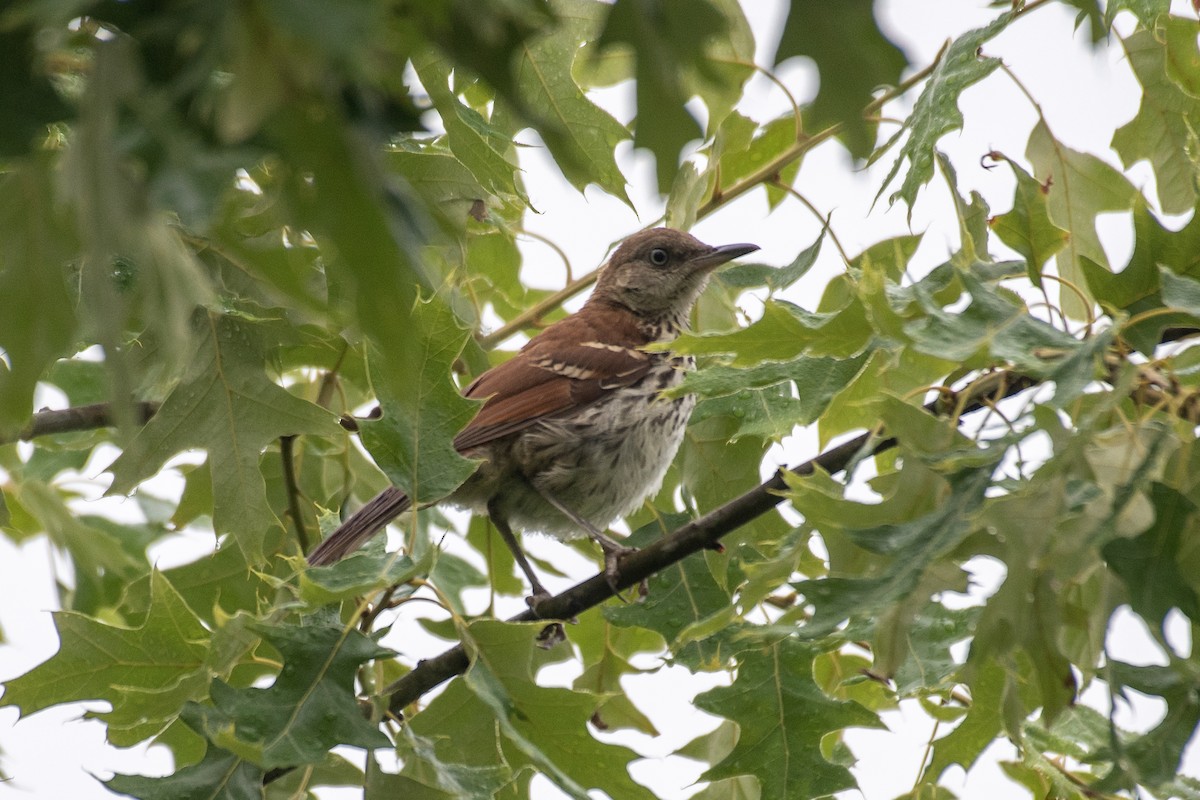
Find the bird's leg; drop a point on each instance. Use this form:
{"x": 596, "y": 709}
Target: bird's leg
{"x": 553, "y": 633}
{"x": 539, "y": 592}
{"x": 613, "y": 550}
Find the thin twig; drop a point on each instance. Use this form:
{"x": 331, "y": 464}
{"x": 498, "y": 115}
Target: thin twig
{"x": 537, "y": 311}
{"x": 826, "y": 221}
{"x": 78, "y": 418}
{"x": 288, "y": 456}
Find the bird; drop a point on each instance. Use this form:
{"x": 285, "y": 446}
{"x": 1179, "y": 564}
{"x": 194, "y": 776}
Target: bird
{"x": 575, "y": 430}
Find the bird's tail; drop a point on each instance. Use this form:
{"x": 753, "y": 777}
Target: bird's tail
{"x": 362, "y": 525}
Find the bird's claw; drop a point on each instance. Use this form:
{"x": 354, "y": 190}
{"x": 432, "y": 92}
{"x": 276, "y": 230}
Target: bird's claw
{"x": 554, "y": 633}
{"x": 538, "y": 597}
{"x": 612, "y": 564}
{"x": 551, "y": 635}
{"x": 612, "y": 571}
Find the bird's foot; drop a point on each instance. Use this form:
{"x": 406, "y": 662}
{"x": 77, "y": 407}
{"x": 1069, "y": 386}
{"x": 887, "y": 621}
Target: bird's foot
{"x": 539, "y": 596}
{"x": 613, "y": 553}
{"x": 552, "y": 635}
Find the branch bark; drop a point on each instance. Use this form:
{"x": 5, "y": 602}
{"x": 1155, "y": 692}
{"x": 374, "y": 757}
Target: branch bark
{"x": 78, "y": 418}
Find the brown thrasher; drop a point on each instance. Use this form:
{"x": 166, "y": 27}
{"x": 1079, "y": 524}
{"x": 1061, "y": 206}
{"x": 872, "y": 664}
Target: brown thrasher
{"x": 574, "y": 431}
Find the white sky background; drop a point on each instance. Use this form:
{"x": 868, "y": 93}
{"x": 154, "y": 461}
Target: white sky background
{"x": 1084, "y": 95}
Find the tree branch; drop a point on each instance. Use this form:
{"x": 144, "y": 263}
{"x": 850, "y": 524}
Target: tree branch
{"x": 79, "y": 418}
{"x": 701, "y": 534}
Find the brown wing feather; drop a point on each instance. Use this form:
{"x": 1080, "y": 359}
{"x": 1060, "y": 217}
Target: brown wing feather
{"x": 561, "y": 370}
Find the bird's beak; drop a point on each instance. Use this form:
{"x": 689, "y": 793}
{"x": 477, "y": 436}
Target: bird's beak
{"x": 721, "y": 255}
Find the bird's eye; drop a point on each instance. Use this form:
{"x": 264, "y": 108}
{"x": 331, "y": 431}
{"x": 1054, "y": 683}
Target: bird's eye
{"x": 658, "y": 257}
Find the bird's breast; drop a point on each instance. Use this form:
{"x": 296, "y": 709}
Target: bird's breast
{"x": 603, "y": 460}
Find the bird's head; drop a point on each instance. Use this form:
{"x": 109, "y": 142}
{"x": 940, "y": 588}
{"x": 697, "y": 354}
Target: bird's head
{"x": 659, "y": 273}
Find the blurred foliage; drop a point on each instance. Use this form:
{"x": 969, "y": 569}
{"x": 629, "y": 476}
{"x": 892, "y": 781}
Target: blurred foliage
{"x": 266, "y": 215}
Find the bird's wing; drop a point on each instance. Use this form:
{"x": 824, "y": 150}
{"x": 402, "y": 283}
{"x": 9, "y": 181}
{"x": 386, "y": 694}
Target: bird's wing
{"x": 548, "y": 379}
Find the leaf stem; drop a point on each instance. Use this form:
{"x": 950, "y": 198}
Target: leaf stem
{"x": 826, "y": 221}
{"x": 287, "y": 456}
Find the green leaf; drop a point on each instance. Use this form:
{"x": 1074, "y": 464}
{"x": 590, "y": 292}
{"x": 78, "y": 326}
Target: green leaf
{"x": 936, "y": 111}
{"x": 978, "y": 729}
{"x": 1146, "y": 11}
{"x": 38, "y": 325}
{"x": 226, "y": 405}
{"x": 1073, "y": 375}
{"x": 710, "y": 748}
{"x": 1022, "y": 624}
{"x": 220, "y": 584}
{"x": 482, "y": 148}
{"x": 427, "y": 777}
{"x": 783, "y": 332}
{"x": 690, "y": 189}
{"x": 718, "y": 77}
{"x": 887, "y": 373}
{"x": 682, "y": 595}
{"x": 46, "y": 463}
{"x": 434, "y": 172}
{"x": 853, "y": 57}
{"x": 95, "y": 661}
{"x": 105, "y": 556}
{"x": 1183, "y": 56}
{"x": 1179, "y": 291}
{"x": 913, "y": 547}
{"x": 369, "y": 229}
{"x": 547, "y": 725}
{"x": 927, "y": 661}
{"x": 769, "y": 413}
{"x": 220, "y": 776}
{"x": 1027, "y": 227}
{"x": 783, "y": 277}
{"x": 1078, "y": 732}
{"x": 973, "y": 218}
{"x": 142, "y": 712}
{"x": 713, "y": 469}
{"x": 310, "y": 707}
{"x": 1081, "y": 187}
{"x": 412, "y": 441}
{"x": 890, "y": 256}
{"x": 1043, "y": 777}
{"x": 927, "y": 792}
{"x": 1136, "y": 287}
{"x": 668, "y": 40}
{"x": 451, "y": 751}
{"x": 1154, "y": 757}
{"x": 742, "y": 148}
{"x": 1164, "y": 130}
{"x": 817, "y": 378}
{"x": 762, "y": 406}
{"x": 581, "y": 135}
{"x": 361, "y": 573}
{"x": 782, "y": 715}
{"x": 1149, "y": 562}
{"x": 605, "y": 650}
{"x": 992, "y": 327}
